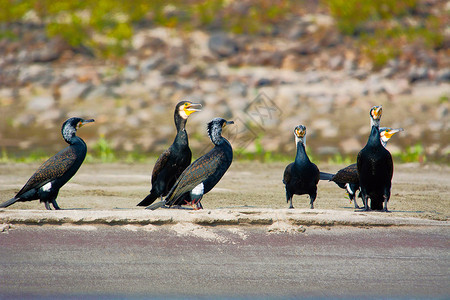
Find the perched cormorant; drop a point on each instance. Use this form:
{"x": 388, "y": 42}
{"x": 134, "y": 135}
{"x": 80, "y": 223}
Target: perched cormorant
{"x": 301, "y": 176}
{"x": 57, "y": 170}
{"x": 347, "y": 178}
{"x": 204, "y": 173}
{"x": 375, "y": 167}
{"x": 172, "y": 162}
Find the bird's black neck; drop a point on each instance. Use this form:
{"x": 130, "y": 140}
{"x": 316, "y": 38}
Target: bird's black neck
{"x": 180, "y": 123}
{"x": 75, "y": 140}
{"x": 374, "y": 137}
{"x": 217, "y": 138}
{"x": 301, "y": 156}
{"x": 181, "y": 139}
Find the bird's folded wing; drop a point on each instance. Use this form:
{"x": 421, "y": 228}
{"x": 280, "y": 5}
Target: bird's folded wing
{"x": 52, "y": 169}
{"x": 196, "y": 173}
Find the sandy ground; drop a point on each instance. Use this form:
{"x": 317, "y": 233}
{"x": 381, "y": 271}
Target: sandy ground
{"x": 421, "y": 191}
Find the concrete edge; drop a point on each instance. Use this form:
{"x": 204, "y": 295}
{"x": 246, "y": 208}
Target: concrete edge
{"x": 213, "y": 217}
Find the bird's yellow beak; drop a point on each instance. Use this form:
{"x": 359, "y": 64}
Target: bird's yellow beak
{"x": 376, "y": 112}
{"x": 190, "y": 108}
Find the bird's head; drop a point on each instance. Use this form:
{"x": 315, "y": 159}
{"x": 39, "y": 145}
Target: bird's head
{"x": 387, "y": 133}
{"x": 70, "y": 127}
{"x": 375, "y": 115}
{"x": 300, "y": 134}
{"x": 185, "y": 108}
{"x": 215, "y": 127}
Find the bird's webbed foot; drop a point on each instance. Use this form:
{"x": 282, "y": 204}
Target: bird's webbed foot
{"x": 55, "y": 205}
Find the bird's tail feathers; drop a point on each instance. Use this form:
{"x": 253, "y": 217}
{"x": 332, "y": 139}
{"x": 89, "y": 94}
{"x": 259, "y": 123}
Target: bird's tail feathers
{"x": 8, "y": 203}
{"x": 156, "y": 205}
{"x": 149, "y": 199}
{"x": 325, "y": 176}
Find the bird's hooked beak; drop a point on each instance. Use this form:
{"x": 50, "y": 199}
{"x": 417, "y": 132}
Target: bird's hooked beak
{"x": 375, "y": 112}
{"x": 190, "y": 108}
{"x": 84, "y": 122}
{"x": 228, "y": 123}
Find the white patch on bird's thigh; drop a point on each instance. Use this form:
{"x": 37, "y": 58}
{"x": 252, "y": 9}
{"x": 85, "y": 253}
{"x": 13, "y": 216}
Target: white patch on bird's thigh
{"x": 46, "y": 187}
{"x": 198, "y": 190}
{"x": 349, "y": 189}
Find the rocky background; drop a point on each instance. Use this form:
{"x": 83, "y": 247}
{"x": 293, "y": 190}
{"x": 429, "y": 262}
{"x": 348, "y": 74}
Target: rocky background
{"x": 304, "y": 72}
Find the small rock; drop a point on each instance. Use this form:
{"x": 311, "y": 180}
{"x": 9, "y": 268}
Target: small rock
{"x": 418, "y": 74}
{"x": 327, "y": 150}
{"x": 151, "y": 63}
{"x": 41, "y": 103}
{"x": 350, "y": 145}
{"x": 24, "y": 120}
{"x": 442, "y": 111}
{"x": 222, "y": 45}
{"x": 72, "y": 91}
{"x": 237, "y": 88}
{"x": 49, "y": 116}
{"x": 443, "y": 75}
{"x": 336, "y": 62}
{"x": 170, "y": 69}
{"x": 130, "y": 74}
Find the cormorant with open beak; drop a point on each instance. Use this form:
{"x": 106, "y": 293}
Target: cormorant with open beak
{"x": 173, "y": 161}
{"x": 347, "y": 178}
{"x": 375, "y": 167}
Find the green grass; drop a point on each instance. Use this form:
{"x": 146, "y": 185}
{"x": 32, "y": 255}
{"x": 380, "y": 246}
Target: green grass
{"x": 103, "y": 152}
{"x": 379, "y": 27}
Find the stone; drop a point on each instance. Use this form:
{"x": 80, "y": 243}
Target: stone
{"x": 170, "y": 68}
{"x": 443, "y": 75}
{"x": 40, "y": 103}
{"x": 222, "y": 45}
{"x": 442, "y": 111}
{"x": 152, "y": 63}
{"x": 350, "y": 145}
{"x": 130, "y": 73}
{"x": 237, "y": 88}
{"x": 336, "y": 62}
{"x": 72, "y": 91}
{"x": 418, "y": 74}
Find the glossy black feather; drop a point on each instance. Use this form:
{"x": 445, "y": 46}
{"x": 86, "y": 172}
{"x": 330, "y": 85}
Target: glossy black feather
{"x": 375, "y": 170}
{"x": 301, "y": 177}
{"x": 208, "y": 169}
{"x": 171, "y": 163}
{"x": 45, "y": 183}
{"x": 205, "y": 172}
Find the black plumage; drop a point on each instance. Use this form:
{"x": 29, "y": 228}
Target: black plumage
{"x": 347, "y": 178}
{"x": 375, "y": 167}
{"x": 45, "y": 183}
{"x": 173, "y": 161}
{"x": 204, "y": 173}
{"x": 301, "y": 176}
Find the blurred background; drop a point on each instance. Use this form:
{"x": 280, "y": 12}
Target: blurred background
{"x": 268, "y": 65}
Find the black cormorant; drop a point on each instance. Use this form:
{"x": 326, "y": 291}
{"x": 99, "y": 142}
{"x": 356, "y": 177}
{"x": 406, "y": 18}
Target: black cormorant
{"x": 375, "y": 167}
{"x": 204, "y": 173}
{"x": 57, "y": 170}
{"x": 347, "y": 178}
{"x": 172, "y": 162}
{"x": 301, "y": 176}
